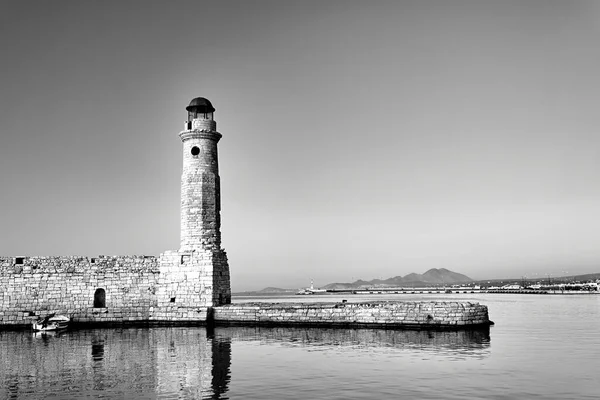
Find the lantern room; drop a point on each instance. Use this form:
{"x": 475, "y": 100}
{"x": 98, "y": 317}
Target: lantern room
{"x": 200, "y": 108}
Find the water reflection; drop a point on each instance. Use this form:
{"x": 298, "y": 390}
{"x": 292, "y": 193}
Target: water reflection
{"x": 460, "y": 344}
{"x": 97, "y": 350}
{"x": 115, "y": 363}
{"x": 183, "y": 362}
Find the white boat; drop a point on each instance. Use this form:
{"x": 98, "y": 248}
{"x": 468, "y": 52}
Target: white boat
{"x": 51, "y": 322}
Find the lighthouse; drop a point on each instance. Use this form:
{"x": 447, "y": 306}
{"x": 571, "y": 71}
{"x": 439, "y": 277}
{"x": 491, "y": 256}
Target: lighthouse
{"x": 196, "y": 276}
{"x": 200, "y": 182}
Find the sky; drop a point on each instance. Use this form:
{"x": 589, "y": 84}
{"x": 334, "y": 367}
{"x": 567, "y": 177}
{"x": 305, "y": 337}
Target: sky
{"x": 361, "y": 139}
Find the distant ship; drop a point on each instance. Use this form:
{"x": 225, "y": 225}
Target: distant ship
{"x": 311, "y": 290}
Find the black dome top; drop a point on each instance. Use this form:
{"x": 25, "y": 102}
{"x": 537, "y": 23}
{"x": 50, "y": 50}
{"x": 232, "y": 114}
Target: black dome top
{"x": 200, "y": 105}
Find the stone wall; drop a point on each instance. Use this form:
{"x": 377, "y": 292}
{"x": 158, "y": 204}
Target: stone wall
{"x": 379, "y": 314}
{"x": 37, "y": 286}
{"x": 191, "y": 287}
{"x": 196, "y": 279}
{"x": 175, "y": 287}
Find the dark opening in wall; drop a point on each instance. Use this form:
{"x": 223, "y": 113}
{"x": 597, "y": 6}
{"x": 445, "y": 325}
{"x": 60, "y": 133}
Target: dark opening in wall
{"x": 100, "y": 298}
{"x": 172, "y": 299}
{"x": 19, "y": 260}
{"x": 195, "y": 151}
{"x": 93, "y": 260}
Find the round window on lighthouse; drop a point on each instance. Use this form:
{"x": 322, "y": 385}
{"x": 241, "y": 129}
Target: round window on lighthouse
{"x": 195, "y": 150}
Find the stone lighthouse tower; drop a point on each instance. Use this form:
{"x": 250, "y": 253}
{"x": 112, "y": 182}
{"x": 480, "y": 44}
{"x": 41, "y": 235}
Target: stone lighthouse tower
{"x": 197, "y": 276}
{"x": 200, "y": 187}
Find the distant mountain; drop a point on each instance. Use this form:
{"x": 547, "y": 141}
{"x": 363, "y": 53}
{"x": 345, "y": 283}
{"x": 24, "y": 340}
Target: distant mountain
{"x": 443, "y": 275}
{"x": 434, "y": 276}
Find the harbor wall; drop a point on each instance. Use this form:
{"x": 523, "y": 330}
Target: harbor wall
{"x": 109, "y": 289}
{"x": 372, "y": 314}
{"x": 180, "y": 288}
{"x": 104, "y": 288}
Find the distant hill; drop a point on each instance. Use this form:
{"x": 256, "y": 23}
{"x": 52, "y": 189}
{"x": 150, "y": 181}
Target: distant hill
{"x": 582, "y": 278}
{"x": 546, "y": 279}
{"x": 434, "y": 276}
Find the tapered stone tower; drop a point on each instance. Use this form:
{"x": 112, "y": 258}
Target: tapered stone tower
{"x": 197, "y": 276}
{"x": 200, "y": 188}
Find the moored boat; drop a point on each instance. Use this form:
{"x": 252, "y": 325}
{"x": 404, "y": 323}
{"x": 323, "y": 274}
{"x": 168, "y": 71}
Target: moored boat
{"x": 51, "y": 322}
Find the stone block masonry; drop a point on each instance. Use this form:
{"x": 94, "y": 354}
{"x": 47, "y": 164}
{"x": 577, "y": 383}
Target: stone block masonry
{"x": 420, "y": 315}
{"x": 178, "y": 287}
{"x": 99, "y": 289}
{"x": 196, "y": 279}
{"x": 200, "y": 189}
{"x": 172, "y": 288}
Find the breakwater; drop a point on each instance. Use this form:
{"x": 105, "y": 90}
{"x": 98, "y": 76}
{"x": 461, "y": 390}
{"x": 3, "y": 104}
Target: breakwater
{"x": 420, "y": 315}
{"x": 172, "y": 288}
{"x": 113, "y": 290}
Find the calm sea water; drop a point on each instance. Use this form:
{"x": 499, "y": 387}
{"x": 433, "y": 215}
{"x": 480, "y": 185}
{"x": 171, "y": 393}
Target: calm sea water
{"x": 542, "y": 347}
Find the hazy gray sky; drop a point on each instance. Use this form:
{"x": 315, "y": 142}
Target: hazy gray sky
{"x": 361, "y": 139}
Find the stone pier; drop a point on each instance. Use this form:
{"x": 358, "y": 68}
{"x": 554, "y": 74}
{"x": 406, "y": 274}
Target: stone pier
{"x": 392, "y": 315}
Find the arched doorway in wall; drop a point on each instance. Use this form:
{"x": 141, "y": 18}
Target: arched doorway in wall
{"x": 100, "y": 298}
